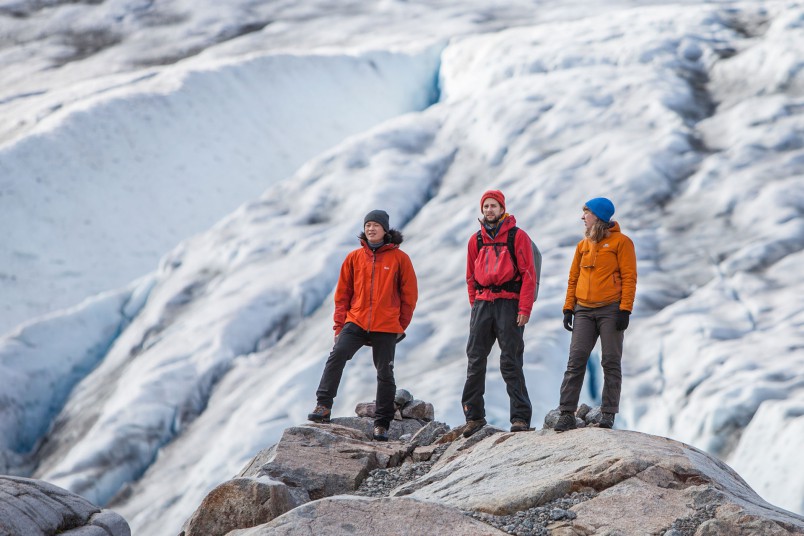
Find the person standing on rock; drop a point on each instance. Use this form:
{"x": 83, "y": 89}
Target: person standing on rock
{"x": 600, "y": 296}
{"x": 374, "y": 302}
{"x": 501, "y": 293}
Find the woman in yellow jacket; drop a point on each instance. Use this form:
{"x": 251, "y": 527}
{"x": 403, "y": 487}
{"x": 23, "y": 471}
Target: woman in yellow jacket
{"x": 600, "y": 297}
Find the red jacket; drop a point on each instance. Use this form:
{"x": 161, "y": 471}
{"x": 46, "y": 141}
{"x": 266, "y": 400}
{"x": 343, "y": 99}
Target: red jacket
{"x": 376, "y": 290}
{"x": 603, "y": 273}
{"x": 492, "y": 266}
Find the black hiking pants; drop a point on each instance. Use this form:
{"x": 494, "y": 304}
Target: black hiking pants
{"x": 589, "y": 325}
{"x": 495, "y": 321}
{"x": 383, "y": 346}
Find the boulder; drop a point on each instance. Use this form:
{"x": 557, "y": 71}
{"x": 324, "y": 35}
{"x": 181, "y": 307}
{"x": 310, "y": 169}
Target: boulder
{"x": 418, "y": 409}
{"x": 328, "y": 459}
{"x": 359, "y": 516}
{"x": 643, "y": 484}
{"x": 309, "y": 462}
{"x": 33, "y": 507}
{"x": 402, "y": 398}
{"x": 429, "y": 433}
{"x": 396, "y": 429}
{"x": 242, "y": 502}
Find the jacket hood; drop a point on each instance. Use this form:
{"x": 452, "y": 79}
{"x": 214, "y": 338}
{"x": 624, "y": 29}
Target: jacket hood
{"x": 505, "y": 224}
{"x": 392, "y": 237}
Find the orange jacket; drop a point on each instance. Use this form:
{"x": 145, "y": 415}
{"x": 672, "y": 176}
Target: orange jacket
{"x": 603, "y": 273}
{"x": 376, "y": 290}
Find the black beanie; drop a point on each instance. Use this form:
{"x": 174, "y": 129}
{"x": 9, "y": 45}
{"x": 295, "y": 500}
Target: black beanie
{"x": 380, "y": 216}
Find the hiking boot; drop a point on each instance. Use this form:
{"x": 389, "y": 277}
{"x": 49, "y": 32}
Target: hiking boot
{"x": 607, "y": 420}
{"x": 380, "y": 433}
{"x": 320, "y": 414}
{"x": 519, "y": 426}
{"x": 566, "y": 422}
{"x": 473, "y": 426}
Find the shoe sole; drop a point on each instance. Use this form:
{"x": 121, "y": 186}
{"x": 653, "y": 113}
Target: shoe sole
{"x": 521, "y": 429}
{"x": 380, "y": 438}
{"x": 314, "y": 418}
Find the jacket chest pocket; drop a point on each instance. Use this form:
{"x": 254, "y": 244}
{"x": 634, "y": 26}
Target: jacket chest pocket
{"x": 588, "y": 258}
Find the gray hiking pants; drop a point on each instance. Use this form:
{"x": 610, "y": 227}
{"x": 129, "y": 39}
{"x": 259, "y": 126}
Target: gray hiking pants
{"x": 495, "y": 321}
{"x": 588, "y": 325}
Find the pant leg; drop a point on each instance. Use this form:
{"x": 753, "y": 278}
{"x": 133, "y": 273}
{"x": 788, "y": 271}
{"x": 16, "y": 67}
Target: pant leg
{"x": 611, "y": 342}
{"x": 584, "y": 337}
{"x": 481, "y": 339}
{"x": 351, "y": 339}
{"x": 512, "y": 350}
{"x": 383, "y": 346}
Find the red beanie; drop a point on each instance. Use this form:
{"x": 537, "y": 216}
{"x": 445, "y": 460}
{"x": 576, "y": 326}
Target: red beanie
{"x": 496, "y": 195}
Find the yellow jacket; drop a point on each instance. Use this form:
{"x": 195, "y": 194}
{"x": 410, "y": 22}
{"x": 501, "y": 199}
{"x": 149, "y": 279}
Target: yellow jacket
{"x": 603, "y": 273}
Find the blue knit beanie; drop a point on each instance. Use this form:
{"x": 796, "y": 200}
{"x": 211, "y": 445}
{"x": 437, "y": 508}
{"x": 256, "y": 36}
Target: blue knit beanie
{"x": 601, "y": 207}
{"x": 380, "y": 216}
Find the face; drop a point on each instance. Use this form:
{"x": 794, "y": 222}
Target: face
{"x": 492, "y": 210}
{"x": 374, "y": 231}
{"x": 588, "y": 218}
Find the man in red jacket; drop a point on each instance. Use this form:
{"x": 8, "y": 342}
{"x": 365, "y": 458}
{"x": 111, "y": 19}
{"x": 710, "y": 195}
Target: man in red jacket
{"x": 501, "y": 292}
{"x": 374, "y": 303}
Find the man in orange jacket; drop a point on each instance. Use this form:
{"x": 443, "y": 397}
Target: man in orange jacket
{"x": 501, "y": 293}
{"x": 374, "y": 303}
{"x": 600, "y": 296}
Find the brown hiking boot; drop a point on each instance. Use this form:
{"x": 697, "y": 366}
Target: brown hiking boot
{"x": 519, "y": 426}
{"x": 473, "y": 426}
{"x": 380, "y": 433}
{"x": 320, "y": 414}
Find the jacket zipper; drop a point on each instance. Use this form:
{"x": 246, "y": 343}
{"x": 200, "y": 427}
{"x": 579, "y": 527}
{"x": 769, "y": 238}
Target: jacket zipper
{"x": 371, "y": 290}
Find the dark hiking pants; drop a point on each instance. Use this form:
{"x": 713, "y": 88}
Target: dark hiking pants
{"x": 588, "y": 325}
{"x": 490, "y": 322}
{"x": 383, "y": 346}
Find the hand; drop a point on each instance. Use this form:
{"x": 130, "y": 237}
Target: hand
{"x": 335, "y": 340}
{"x": 622, "y": 320}
{"x": 568, "y": 319}
{"x": 521, "y": 319}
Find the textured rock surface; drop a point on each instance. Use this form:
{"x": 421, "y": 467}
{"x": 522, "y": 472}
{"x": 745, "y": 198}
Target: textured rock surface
{"x": 243, "y": 502}
{"x": 585, "y": 482}
{"x": 328, "y": 459}
{"x": 359, "y": 516}
{"x": 643, "y": 483}
{"x": 308, "y": 463}
{"x": 31, "y": 507}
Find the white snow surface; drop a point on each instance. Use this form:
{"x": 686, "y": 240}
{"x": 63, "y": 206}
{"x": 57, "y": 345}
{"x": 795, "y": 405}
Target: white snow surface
{"x": 192, "y": 175}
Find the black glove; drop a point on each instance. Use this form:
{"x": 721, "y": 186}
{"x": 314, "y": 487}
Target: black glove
{"x": 568, "y": 319}
{"x": 622, "y": 319}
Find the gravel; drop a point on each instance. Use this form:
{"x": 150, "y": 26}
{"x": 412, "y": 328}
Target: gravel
{"x": 532, "y": 522}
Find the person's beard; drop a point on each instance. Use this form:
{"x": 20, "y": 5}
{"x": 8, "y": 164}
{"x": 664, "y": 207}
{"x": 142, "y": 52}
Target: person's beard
{"x": 493, "y": 222}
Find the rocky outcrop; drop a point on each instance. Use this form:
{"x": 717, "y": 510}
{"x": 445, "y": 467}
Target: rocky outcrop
{"x": 360, "y": 516}
{"x": 31, "y": 507}
{"x": 333, "y": 479}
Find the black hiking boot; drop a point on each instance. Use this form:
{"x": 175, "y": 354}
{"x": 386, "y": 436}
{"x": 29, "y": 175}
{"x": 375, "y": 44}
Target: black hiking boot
{"x": 320, "y": 414}
{"x": 566, "y": 422}
{"x": 380, "y": 433}
{"x": 519, "y": 426}
{"x": 473, "y": 426}
{"x": 607, "y": 420}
